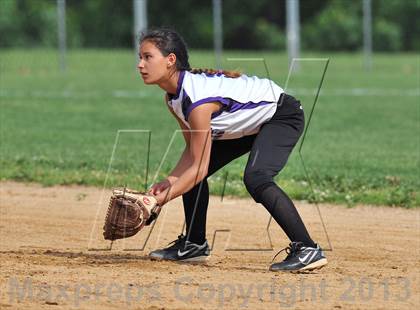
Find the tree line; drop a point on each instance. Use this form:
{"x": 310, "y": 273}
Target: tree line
{"x": 334, "y": 25}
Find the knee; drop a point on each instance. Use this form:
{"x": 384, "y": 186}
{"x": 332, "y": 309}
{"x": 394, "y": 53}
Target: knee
{"x": 256, "y": 181}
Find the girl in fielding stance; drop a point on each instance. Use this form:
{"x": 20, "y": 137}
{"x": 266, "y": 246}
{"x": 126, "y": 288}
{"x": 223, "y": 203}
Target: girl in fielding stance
{"x": 223, "y": 115}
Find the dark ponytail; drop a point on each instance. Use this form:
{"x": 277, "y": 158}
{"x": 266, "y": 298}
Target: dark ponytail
{"x": 228, "y": 73}
{"x": 169, "y": 41}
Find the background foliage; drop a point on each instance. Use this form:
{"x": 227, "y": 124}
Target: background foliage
{"x": 247, "y": 24}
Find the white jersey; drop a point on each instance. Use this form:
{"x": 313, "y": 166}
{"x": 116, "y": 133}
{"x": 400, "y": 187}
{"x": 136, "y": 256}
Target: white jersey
{"x": 247, "y": 101}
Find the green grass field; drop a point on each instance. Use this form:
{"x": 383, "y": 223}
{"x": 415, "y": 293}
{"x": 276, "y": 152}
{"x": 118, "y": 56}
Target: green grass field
{"x": 362, "y": 145}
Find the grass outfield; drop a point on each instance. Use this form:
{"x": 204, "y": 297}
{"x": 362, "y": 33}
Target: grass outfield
{"x": 362, "y": 145}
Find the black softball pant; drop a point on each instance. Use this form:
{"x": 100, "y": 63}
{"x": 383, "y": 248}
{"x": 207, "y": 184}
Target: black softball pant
{"x": 269, "y": 151}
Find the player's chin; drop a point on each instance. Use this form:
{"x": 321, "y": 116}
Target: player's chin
{"x": 148, "y": 80}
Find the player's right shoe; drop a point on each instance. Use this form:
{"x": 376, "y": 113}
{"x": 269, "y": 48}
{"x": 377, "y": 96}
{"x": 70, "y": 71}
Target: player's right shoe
{"x": 182, "y": 250}
{"x": 300, "y": 258}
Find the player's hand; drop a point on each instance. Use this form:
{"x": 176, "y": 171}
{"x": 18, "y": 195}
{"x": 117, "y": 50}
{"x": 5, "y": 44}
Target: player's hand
{"x": 162, "y": 198}
{"x": 157, "y": 188}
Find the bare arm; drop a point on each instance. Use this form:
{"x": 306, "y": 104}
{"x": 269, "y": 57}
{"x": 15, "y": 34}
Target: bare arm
{"x": 193, "y": 165}
{"x": 185, "y": 160}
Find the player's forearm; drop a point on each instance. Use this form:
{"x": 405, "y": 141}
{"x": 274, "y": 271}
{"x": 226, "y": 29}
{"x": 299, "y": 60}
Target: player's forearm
{"x": 191, "y": 176}
{"x": 183, "y": 164}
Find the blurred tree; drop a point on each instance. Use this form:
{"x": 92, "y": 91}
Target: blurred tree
{"x": 386, "y": 35}
{"x": 27, "y": 23}
{"x": 247, "y": 24}
{"x": 404, "y": 17}
{"x": 9, "y": 29}
{"x": 193, "y": 19}
{"x": 104, "y": 23}
{"x": 337, "y": 27}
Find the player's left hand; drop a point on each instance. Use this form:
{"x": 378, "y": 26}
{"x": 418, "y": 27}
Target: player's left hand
{"x": 162, "y": 198}
{"x": 157, "y": 188}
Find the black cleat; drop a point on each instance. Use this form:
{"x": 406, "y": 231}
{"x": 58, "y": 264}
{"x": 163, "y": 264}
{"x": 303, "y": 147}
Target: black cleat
{"x": 300, "y": 258}
{"x": 183, "y": 250}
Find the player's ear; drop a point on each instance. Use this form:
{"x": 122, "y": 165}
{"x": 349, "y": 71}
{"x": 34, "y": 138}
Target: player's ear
{"x": 171, "y": 59}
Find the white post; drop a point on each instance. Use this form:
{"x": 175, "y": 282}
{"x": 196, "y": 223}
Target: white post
{"x": 140, "y": 21}
{"x": 61, "y": 27}
{"x": 218, "y": 32}
{"x": 293, "y": 32}
{"x": 367, "y": 33}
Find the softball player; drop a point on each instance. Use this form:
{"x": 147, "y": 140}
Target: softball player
{"x": 223, "y": 115}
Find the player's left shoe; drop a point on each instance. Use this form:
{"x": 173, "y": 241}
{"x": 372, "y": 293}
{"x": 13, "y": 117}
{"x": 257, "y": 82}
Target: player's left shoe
{"x": 300, "y": 258}
{"x": 184, "y": 251}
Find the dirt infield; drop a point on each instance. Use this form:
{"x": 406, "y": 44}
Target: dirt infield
{"x": 52, "y": 255}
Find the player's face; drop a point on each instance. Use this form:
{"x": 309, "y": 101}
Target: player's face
{"x": 153, "y": 66}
